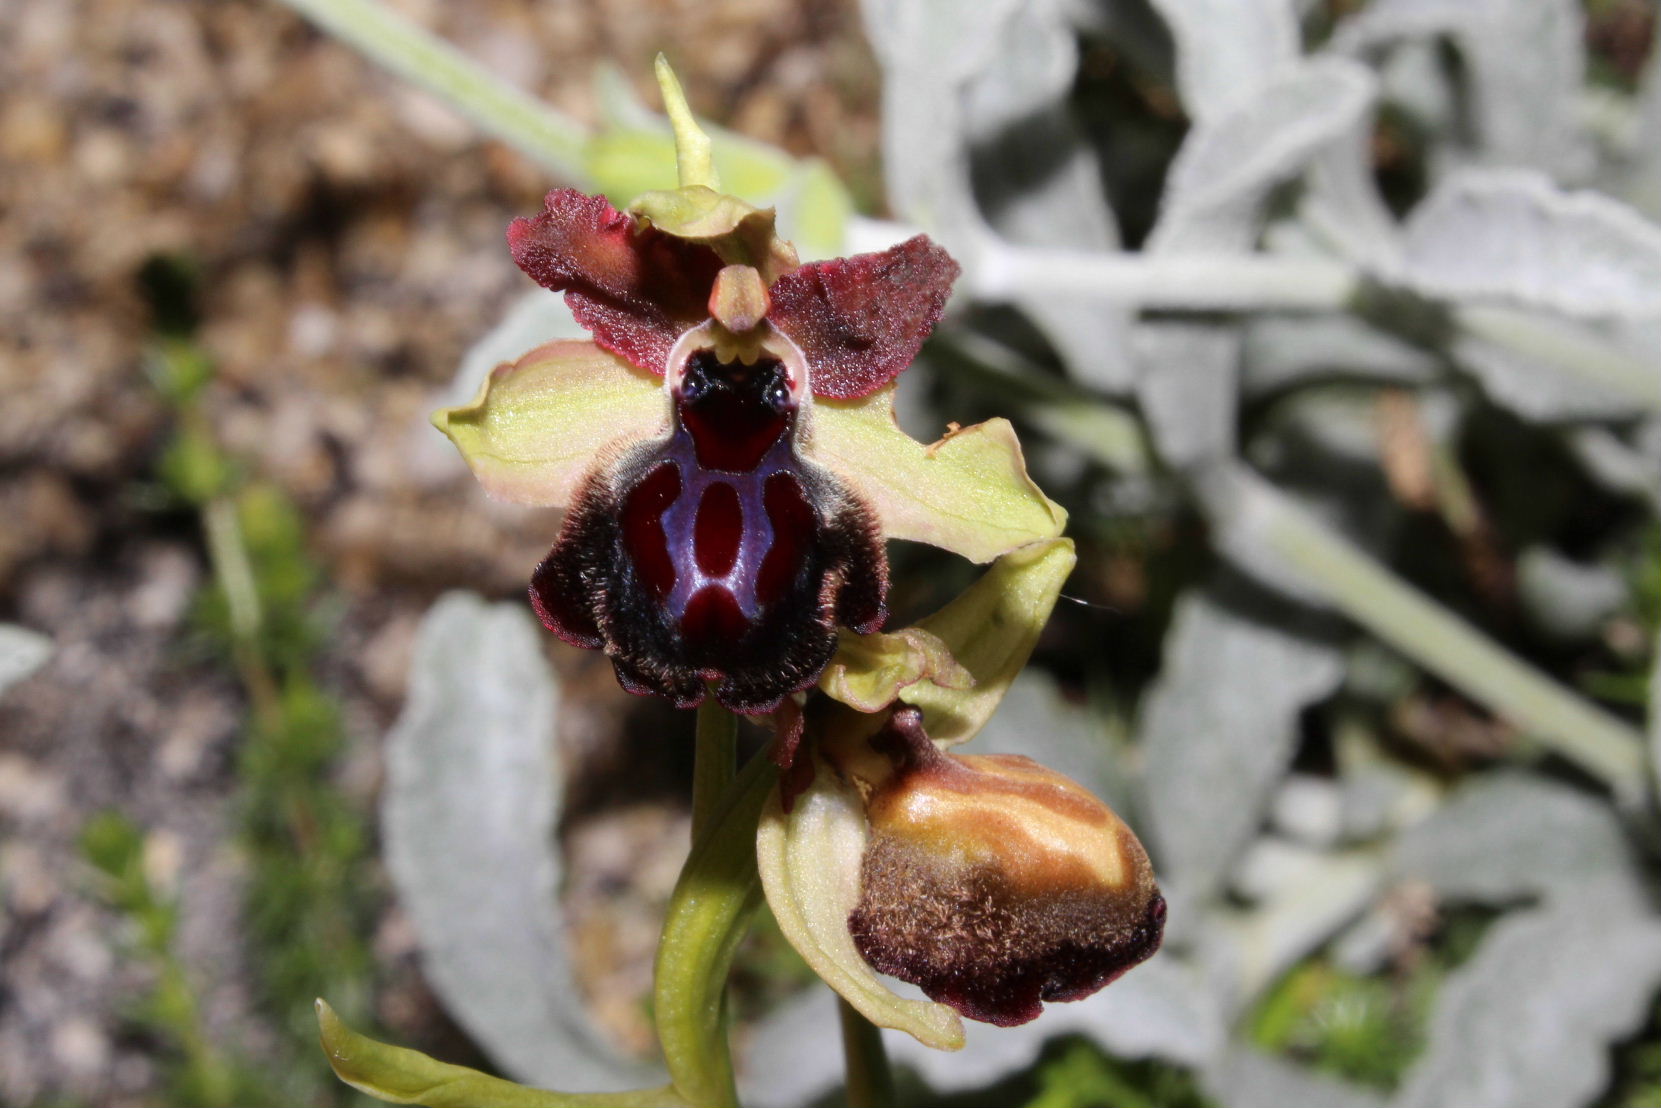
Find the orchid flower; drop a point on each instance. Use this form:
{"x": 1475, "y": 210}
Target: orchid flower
{"x": 726, "y": 451}
{"x": 725, "y": 446}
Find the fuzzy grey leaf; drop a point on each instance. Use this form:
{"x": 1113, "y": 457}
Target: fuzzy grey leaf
{"x": 1512, "y": 236}
{"x": 22, "y": 651}
{"x": 1214, "y": 203}
{"x": 1655, "y": 715}
{"x": 1160, "y": 1010}
{"x": 1040, "y": 186}
{"x": 1187, "y": 382}
{"x": 1228, "y": 49}
{"x": 1511, "y": 836}
{"x": 1281, "y": 353}
{"x": 1644, "y": 177}
{"x": 1246, "y": 1078}
{"x": 1539, "y": 391}
{"x": 1529, "y": 1019}
{"x": 1343, "y": 202}
{"x": 1219, "y": 725}
{"x": 929, "y": 50}
{"x": 1314, "y": 896}
{"x": 1525, "y": 114}
{"x": 1229, "y": 164}
{"x": 1568, "y": 599}
{"x": 468, "y": 818}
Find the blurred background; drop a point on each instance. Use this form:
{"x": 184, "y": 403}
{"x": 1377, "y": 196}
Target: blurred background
{"x": 1336, "y": 325}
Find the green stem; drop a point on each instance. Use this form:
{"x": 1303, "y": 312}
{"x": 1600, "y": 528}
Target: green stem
{"x": 718, "y": 892}
{"x": 1253, "y": 519}
{"x": 422, "y": 58}
{"x": 1544, "y": 338}
{"x": 1250, "y": 516}
{"x": 870, "y": 1082}
{"x": 715, "y": 760}
{"x": 1183, "y": 282}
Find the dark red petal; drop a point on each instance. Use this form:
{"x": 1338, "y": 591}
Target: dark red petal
{"x": 635, "y": 287}
{"x": 861, "y": 320}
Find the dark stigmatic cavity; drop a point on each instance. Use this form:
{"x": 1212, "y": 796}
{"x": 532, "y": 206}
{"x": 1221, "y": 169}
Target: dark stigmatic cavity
{"x": 718, "y": 554}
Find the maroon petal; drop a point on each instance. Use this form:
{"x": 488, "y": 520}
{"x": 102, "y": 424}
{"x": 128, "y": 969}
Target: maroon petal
{"x": 861, "y": 320}
{"x": 635, "y": 287}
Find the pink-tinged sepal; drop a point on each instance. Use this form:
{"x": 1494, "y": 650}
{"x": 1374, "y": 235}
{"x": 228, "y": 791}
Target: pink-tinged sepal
{"x": 635, "y": 287}
{"x": 860, "y": 321}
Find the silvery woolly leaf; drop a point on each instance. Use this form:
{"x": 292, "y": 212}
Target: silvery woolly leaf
{"x": 1186, "y": 381}
{"x": 1157, "y": 1010}
{"x": 1655, "y": 715}
{"x": 1219, "y": 725}
{"x": 1343, "y": 202}
{"x": 1530, "y": 1017}
{"x": 1316, "y": 895}
{"x": 1040, "y": 186}
{"x": 1214, "y": 202}
{"x": 1569, "y": 600}
{"x": 1228, "y": 165}
{"x": 1525, "y": 114}
{"x": 1247, "y": 1078}
{"x": 1228, "y": 49}
{"x": 1540, "y": 391}
{"x": 1282, "y": 353}
{"x": 1507, "y": 235}
{"x": 22, "y": 651}
{"x": 1617, "y": 465}
{"x": 468, "y": 818}
{"x": 1511, "y": 836}
{"x": 929, "y": 50}
{"x": 1644, "y": 180}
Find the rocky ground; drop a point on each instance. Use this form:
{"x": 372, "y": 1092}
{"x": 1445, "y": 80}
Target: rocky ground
{"x": 332, "y": 240}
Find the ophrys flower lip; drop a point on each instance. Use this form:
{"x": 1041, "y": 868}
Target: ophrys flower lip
{"x": 995, "y": 884}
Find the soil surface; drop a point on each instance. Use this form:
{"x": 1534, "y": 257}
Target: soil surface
{"x": 333, "y": 241}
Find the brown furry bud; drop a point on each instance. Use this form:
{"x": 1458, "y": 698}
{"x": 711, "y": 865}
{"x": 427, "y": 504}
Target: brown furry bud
{"x": 995, "y": 884}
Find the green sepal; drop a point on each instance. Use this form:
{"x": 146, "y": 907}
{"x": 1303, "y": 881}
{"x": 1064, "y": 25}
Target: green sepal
{"x": 402, "y": 1076}
{"x": 968, "y": 493}
{"x": 635, "y": 152}
{"x": 740, "y": 233}
{"x": 991, "y": 629}
{"x": 539, "y": 424}
{"x": 869, "y": 671}
{"x": 809, "y": 859}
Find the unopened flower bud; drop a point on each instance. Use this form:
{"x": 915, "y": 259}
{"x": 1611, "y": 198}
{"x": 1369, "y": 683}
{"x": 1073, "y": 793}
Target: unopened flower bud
{"x": 994, "y": 884}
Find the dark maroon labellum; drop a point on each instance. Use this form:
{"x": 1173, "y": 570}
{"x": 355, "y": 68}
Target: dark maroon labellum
{"x": 718, "y": 554}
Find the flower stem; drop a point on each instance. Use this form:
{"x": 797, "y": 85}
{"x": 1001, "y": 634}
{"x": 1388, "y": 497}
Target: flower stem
{"x": 870, "y": 1083}
{"x": 1253, "y": 520}
{"x": 1208, "y": 282}
{"x": 422, "y": 58}
{"x": 715, "y": 761}
{"x": 718, "y": 892}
